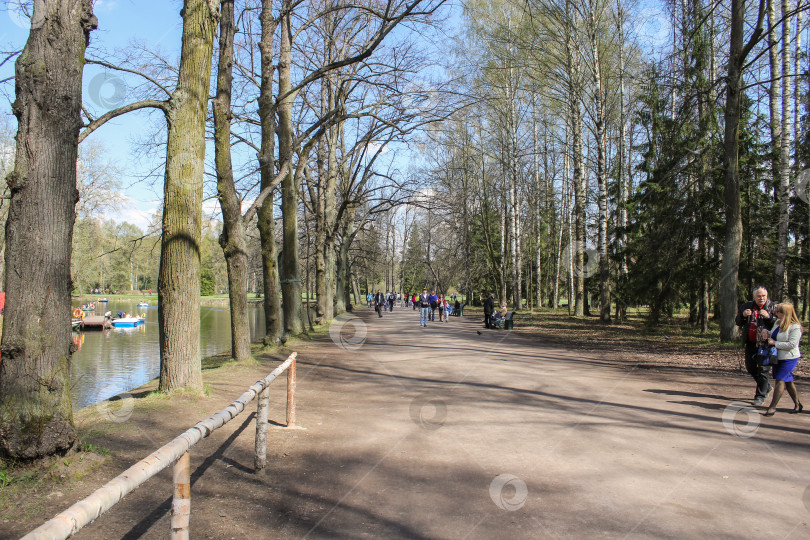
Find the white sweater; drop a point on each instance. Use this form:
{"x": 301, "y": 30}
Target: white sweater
{"x": 787, "y": 343}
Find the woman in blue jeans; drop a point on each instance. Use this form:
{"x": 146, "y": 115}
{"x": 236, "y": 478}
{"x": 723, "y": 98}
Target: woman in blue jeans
{"x": 787, "y": 342}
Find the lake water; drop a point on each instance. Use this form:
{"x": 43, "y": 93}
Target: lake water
{"x": 113, "y": 361}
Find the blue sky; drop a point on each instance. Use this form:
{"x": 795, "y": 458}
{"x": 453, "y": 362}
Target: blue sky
{"x": 157, "y": 24}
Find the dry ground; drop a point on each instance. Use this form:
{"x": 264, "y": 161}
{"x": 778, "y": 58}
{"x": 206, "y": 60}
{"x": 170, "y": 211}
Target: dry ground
{"x": 557, "y": 429}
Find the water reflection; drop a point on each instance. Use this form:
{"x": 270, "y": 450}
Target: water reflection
{"x": 113, "y": 361}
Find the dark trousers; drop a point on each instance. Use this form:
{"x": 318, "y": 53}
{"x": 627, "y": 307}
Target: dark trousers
{"x": 758, "y": 372}
{"x": 488, "y": 323}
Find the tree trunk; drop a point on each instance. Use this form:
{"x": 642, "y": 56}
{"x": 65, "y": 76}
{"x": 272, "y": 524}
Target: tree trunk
{"x": 784, "y": 157}
{"x": 36, "y": 415}
{"x": 578, "y": 240}
{"x": 233, "y": 237}
{"x": 266, "y": 219}
{"x": 333, "y": 277}
{"x": 290, "y": 270}
{"x": 536, "y": 207}
{"x": 703, "y": 86}
{"x": 729, "y": 271}
{"x": 601, "y": 179}
{"x": 179, "y": 275}
{"x": 621, "y": 203}
{"x": 342, "y": 271}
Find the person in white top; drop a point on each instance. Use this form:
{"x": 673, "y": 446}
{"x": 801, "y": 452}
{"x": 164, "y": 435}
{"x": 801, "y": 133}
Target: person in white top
{"x": 786, "y": 340}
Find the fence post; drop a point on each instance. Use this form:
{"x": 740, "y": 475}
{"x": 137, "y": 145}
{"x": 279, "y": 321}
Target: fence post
{"x": 181, "y": 501}
{"x": 260, "y": 445}
{"x": 291, "y": 394}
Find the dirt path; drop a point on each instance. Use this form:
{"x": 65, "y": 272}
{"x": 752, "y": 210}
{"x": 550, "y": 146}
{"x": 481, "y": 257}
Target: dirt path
{"x": 445, "y": 433}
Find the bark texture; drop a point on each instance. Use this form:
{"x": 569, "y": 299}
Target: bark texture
{"x": 290, "y": 270}
{"x": 233, "y": 237}
{"x": 179, "y": 275}
{"x": 730, "y": 267}
{"x": 36, "y": 416}
{"x": 266, "y": 223}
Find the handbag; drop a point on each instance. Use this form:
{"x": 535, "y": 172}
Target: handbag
{"x": 767, "y": 355}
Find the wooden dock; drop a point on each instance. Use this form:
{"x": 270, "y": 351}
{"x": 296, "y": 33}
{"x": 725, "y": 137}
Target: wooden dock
{"x": 97, "y": 322}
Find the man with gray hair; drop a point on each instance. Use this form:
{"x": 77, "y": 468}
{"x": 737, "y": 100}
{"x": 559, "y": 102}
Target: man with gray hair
{"x": 751, "y": 317}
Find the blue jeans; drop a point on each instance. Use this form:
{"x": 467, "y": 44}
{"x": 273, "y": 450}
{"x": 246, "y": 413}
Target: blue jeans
{"x": 423, "y": 315}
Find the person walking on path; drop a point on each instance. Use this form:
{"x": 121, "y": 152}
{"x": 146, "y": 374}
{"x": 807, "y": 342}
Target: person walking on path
{"x": 489, "y": 308}
{"x": 424, "y": 308}
{"x": 391, "y": 299}
{"x": 440, "y": 305}
{"x": 787, "y": 340}
{"x": 751, "y": 317}
{"x": 379, "y": 303}
{"x": 415, "y": 301}
{"x": 434, "y": 303}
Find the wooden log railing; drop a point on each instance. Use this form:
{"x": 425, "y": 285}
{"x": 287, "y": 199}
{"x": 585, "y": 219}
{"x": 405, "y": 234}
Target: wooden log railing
{"x": 176, "y": 452}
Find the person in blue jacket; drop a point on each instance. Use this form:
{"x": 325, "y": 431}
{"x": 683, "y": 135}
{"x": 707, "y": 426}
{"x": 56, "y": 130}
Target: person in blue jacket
{"x": 434, "y": 303}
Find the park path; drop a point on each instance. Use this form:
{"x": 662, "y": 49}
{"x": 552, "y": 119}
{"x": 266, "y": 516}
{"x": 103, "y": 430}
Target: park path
{"x": 444, "y": 433}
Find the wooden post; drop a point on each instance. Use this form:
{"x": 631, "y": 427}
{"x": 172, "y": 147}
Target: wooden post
{"x": 291, "y": 394}
{"x": 181, "y": 502}
{"x": 260, "y": 446}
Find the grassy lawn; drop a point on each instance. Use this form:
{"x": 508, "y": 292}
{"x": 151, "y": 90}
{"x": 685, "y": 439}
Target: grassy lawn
{"x": 675, "y": 338}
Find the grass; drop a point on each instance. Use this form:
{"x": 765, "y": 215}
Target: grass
{"x": 95, "y": 449}
{"x": 23, "y": 485}
{"x": 675, "y": 334}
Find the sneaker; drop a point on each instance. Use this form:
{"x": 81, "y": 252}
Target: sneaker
{"x": 758, "y": 401}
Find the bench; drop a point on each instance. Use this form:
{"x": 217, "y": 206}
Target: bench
{"x": 507, "y": 321}
{"x": 458, "y": 312}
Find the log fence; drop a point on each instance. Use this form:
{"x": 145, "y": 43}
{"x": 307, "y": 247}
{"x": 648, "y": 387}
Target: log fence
{"x": 176, "y": 452}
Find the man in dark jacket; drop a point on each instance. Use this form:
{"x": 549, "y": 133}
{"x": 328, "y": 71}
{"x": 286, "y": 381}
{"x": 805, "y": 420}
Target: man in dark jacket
{"x": 379, "y": 303}
{"x": 751, "y": 317}
{"x": 489, "y": 309}
{"x": 424, "y": 308}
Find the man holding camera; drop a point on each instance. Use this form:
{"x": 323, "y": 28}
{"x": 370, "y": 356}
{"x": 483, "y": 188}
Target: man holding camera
{"x": 751, "y": 317}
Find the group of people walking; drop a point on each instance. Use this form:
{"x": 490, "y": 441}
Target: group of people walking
{"x": 428, "y": 304}
{"x": 767, "y": 325}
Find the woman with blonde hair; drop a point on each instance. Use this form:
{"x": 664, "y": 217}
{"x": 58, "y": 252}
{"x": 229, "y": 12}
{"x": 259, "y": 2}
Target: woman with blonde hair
{"x": 787, "y": 338}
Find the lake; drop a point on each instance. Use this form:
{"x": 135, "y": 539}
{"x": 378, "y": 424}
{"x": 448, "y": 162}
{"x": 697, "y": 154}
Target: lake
{"x": 113, "y": 361}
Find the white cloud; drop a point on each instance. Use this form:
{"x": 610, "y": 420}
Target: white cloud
{"x": 131, "y": 211}
{"x": 211, "y": 210}
{"x": 104, "y": 5}
{"x": 373, "y": 147}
